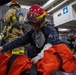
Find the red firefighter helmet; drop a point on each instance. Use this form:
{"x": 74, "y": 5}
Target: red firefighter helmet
{"x": 14, "y": 3}
{"x": 35, "y": 13}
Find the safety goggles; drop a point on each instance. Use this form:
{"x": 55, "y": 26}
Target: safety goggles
{"x": 32, "y": 23}
{"x": 38, "y": 22}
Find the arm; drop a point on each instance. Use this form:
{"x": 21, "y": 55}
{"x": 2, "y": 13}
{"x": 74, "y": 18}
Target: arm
{"x": 21, "y": 41}
{"x": 3, "y": 32}
{"x": 41, "y": 54}
{"x": 51, "y": 40}
{"x": 53, "y": 36}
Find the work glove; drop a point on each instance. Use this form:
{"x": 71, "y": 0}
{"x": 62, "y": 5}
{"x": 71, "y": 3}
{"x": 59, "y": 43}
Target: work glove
{"x": 35, "y": 59}
{"x": 1, "y": 48}
{"x": 41, "y": 54}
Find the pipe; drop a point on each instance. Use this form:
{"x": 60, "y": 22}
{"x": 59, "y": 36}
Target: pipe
{"x": 48, "y": 4}
{"x": 56, "y": 7}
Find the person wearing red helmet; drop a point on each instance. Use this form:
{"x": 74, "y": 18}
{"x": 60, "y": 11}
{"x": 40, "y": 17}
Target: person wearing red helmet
{"x": 35, "y": 16}
{"x": 41, "y": 37}
{"x": 12, "y": 28}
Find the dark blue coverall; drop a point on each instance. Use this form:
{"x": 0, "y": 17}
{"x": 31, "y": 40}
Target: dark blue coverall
{"x": 50, "y": 36}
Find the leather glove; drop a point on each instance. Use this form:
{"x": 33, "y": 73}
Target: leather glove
{"x": 1, "y": 48}
{"x": 35, "y": 59}
{"x": 41, "y": 54}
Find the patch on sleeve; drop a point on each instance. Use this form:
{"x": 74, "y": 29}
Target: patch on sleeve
{"x": 50, "y": 36}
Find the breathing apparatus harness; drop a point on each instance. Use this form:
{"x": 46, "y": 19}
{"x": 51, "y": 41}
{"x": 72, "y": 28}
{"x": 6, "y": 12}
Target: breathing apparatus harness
{"x": 19, "y": 17}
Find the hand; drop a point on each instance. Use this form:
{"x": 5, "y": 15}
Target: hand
{"x": 35, "y": 59}
{"x": 1, "y": 48}
{"x": 41, "y": 54}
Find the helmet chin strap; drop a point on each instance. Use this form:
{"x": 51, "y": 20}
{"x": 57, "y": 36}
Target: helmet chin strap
{"x": 41, "y": 21}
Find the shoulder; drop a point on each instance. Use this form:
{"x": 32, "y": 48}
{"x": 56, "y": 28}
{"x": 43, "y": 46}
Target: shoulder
{"x": 49, "y": 27}
{"x": 11, "y": 11}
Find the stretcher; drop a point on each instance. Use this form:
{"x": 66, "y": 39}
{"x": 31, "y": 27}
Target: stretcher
{"x": 54, "y": 72}
{"x": 56, "y": 59}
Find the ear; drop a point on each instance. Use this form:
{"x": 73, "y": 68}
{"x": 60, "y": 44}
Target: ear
{"x": 2, "y": 2}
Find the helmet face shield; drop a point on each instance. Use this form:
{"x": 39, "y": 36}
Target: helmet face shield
{"x": 35, "y": 17}
{"x": 36, "y": 24}
{"x": 32, "y": 17}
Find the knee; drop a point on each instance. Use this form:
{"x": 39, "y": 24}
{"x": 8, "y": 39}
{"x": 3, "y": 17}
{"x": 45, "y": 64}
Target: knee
{"x": 31, "y": 51}
{"x": 63, "y": 42}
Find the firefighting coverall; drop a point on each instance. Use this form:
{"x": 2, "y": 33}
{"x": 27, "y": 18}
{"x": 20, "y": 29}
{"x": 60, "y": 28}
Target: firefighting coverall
{"x": 37, "y": 39}
{"x": 46, "y": 34}
{"x": 12, "y": 30}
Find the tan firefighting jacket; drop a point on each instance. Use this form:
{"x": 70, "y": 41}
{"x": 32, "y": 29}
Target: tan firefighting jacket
{"x": 15, "y": 32}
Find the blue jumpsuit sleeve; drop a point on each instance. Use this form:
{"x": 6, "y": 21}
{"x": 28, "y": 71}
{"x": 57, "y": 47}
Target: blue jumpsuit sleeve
{"x": 21, "y": 41}
{"x": 53, "y": 36}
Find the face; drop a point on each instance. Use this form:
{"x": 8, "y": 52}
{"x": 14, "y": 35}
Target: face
{"x": 35, "y": 26}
